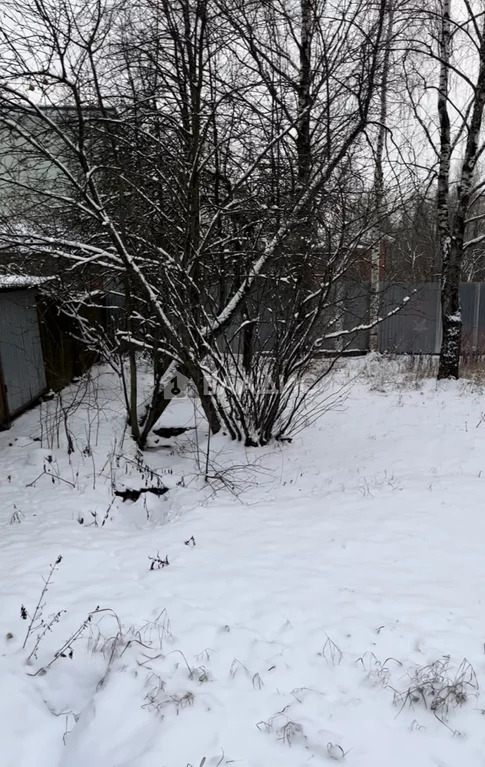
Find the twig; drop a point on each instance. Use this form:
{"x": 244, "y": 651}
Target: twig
{"x": 38, "y": 609}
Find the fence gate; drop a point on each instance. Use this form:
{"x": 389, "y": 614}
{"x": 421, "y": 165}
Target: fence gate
{"x": 21, "y": 356}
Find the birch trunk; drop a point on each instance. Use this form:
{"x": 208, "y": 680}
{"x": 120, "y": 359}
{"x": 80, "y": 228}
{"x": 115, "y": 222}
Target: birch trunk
{"x": 451, "y": 320}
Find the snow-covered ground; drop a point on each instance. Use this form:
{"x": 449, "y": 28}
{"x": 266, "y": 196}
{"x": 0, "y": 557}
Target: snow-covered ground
{"x": 335, "y": 587}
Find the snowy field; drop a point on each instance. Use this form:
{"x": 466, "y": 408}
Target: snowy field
{"x": 321, "y": 600}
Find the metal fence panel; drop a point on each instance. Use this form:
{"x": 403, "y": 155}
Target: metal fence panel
{"x": 414, "y": 329}
{"x": 357, "y": 303}
{"x": 480, "y": 314}
{"x": 20, "y": 349}
{"x": 468, "y": 295}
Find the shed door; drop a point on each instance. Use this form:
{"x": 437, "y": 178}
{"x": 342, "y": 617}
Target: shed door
{"x": 20, "y": 349}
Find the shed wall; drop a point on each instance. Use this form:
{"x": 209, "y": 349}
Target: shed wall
{"x": 21, "y": 355}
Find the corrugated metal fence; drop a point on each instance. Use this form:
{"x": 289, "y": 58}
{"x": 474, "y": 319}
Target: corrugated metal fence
{"x": 416, "y": 329}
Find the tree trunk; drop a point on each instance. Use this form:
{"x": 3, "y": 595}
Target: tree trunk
{"x": 206, "y": 398}
{"x": 451, "y": 322}
{"x": 451, "y": 319}
{"x": 375, "y": 270}
{"x": 133, "y": 390}
{"x": 158, "y": 404}
{"x": 303, "y": 139}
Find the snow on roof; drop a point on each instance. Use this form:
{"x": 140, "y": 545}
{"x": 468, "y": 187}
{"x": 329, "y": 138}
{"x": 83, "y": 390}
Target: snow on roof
{"x": 11, "y": 281}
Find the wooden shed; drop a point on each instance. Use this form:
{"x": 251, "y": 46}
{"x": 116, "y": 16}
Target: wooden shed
{"x": 22, "y": 370}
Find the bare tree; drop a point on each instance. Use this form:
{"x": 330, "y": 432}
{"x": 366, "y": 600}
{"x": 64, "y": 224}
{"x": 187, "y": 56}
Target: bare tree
{"x": 305, "y": 83}
{"x": 161, "y": 173}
